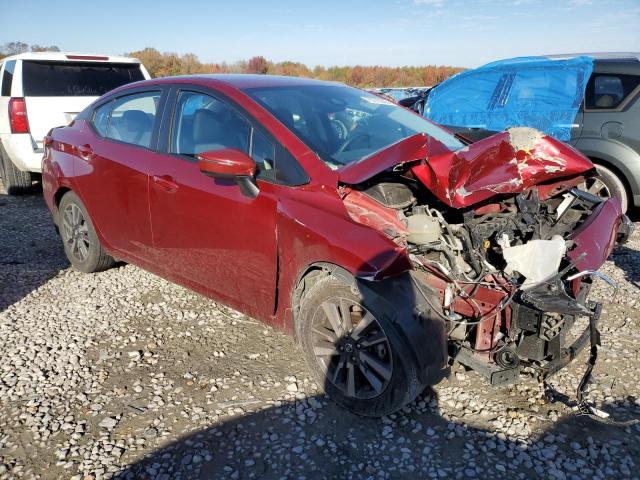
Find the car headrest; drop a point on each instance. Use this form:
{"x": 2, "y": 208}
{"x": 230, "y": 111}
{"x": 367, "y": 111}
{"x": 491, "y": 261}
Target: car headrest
{"x": 206, "y": 126}
{"x": 605, "y": 101}
{"x": 136, "y": 120}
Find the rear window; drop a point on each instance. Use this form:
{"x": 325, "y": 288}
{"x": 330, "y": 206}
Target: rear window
{"x": 76, "y": 79}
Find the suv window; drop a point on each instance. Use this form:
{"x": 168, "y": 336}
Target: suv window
{"x": 7, "y": 78}
{"x": 204, "y": 123}
{"x": 606, "y": 91}
{"x": 76, "y": 79}
{"x": 128, "y": 119}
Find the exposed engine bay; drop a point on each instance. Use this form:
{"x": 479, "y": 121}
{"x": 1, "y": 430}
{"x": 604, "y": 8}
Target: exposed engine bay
{"x": 511, "y": 274}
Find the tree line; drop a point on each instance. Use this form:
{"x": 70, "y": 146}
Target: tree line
{"x": 168, "y": 64}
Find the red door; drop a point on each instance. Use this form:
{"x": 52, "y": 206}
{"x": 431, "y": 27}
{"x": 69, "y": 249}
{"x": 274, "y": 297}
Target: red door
{"x": 112, "y": 172}
{"x": 210, "y": 237}
{"x": 207, "y": 234}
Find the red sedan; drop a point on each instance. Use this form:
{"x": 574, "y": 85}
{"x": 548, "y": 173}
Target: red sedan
{"x": 386, "y": 244}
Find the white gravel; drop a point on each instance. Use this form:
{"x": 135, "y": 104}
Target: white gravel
{"x": 124, "y": 375}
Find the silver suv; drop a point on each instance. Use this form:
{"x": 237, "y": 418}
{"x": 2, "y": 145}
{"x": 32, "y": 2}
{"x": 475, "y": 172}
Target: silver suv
{"x": 609, "y": 126}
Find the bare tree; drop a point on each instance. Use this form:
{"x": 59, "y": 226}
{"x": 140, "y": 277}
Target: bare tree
{"x": 13, "y": 48}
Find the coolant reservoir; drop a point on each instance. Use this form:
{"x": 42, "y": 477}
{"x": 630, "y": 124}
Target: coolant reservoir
{"x": 423, "y": 229}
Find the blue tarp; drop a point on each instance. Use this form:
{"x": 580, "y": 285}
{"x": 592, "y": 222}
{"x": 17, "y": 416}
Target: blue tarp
{"x": 537, "y": 92}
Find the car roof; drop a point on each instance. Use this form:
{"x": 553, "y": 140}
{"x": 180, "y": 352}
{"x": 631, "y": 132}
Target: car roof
{"x": 71, "y": 57}
{"x": 241, "y": 80}
{"x": 600, "y": 55}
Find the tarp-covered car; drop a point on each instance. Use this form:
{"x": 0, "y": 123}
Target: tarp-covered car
{"x": 589, "y": 101}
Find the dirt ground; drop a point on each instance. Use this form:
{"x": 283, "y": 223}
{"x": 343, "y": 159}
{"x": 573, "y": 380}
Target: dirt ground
{"x": 123, "y": 375}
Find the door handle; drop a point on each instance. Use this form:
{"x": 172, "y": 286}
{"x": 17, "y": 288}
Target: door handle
{"x": 166, "y": 182}
{"x": 85, "y": 151}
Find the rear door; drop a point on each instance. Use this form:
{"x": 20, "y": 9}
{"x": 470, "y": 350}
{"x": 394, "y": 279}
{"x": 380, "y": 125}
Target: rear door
{"x": 112, "y": 169}
{"x": 56, "y": 91}
{"x": 207, "y": 234}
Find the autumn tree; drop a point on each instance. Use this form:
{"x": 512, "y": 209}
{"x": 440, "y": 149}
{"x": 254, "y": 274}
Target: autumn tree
{"x": 257, "y": 64}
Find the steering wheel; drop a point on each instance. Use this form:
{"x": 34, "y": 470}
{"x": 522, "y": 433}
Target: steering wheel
{"x": 351, "y": 141}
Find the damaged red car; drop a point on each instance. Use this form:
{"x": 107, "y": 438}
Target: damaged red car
{"x": 388, "y": 246}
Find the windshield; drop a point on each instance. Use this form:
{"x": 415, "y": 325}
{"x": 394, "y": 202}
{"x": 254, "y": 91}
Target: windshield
{"x": 76, "y": 79}
{"x": 344, "y": 124}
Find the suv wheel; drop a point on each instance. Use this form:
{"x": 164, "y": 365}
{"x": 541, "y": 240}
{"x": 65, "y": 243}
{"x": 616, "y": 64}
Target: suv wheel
{"x": 15, "y": 181}
{"x": 606, "y": 185}
{"x": 355, "y": 351}
{"x": 81, "y": 244}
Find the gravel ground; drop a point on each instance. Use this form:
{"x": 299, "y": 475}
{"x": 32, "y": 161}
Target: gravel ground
{"x": 124, "y": 375}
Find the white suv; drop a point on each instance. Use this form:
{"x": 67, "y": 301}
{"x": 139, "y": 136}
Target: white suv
{"x": 39, "y": 91}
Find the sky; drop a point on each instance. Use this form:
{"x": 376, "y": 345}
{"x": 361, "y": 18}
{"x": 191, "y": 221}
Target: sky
{"x": 465, "y": 33}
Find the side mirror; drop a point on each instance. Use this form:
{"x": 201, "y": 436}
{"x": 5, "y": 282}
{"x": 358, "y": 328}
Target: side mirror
{"x": 233, "y": 164}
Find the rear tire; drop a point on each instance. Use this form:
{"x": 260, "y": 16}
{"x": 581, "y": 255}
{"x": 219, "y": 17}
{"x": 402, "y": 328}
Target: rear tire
{"x": 15, "y": 181}
{"x": 606, "y": 185}
{"x": 363, "y": 364}
{"x": 81, "y": 243}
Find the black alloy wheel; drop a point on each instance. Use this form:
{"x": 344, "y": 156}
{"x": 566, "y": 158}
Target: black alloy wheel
{"x": 352, "y": 349}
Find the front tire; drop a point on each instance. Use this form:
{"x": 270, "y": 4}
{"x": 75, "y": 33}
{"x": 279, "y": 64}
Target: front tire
{"x": 355, "y": 351}
{"x": 606, "y": 185}
{"x": 15, "y": 181}
{"x": 81, "y": 243}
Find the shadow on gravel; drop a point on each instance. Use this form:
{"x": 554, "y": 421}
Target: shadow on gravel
{"x": 628, "y": 260}
{"x": 313, "y": 438}
{"x": 30, "y": 250}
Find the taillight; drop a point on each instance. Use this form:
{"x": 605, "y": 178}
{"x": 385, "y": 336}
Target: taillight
{"x": 18, "y": 115}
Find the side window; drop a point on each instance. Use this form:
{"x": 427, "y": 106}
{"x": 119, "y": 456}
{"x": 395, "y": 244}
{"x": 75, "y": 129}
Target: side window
{"x": 264, "y": 154}
{"x": 101, "y": 117}
{"x": 203, "y": 123}
{"x": 7, "y": 78}
{"x": 609, "y": 91}
{"x": 132, "y": 118}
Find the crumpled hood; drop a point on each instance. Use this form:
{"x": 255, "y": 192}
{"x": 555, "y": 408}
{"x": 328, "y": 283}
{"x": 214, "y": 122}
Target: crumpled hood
{"x": 409, "y": 149}
{"x": 508, "y": 162}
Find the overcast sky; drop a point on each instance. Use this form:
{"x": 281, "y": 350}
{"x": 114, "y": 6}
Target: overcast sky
{"x": 330, "y": 32}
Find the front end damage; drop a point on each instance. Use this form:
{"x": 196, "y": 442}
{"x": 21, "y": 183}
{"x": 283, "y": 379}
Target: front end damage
{"x": 501, "y": 236}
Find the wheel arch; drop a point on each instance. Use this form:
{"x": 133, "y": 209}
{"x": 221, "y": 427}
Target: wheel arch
{"x": 618, "y": 173}
{"x": 57, "y": 198}
{"x": 618, "y": 157}
{"x": 423, "y": 331}
{"x": 308, "y": 277}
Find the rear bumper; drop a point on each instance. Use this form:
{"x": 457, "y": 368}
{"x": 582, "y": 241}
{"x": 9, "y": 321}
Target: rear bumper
{"x": 23, "y": 151}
